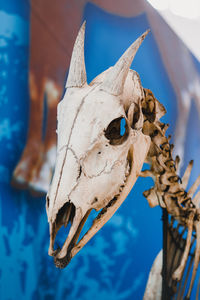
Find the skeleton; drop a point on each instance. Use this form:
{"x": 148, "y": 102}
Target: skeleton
{"x": 99, "y": 159}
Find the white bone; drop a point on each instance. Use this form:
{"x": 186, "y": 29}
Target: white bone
{"x": 153, "y": 289}
{"x": 77, "y": 74}
{"x": 138, "y": 157}
{"x": 97, "y": 165}
{"x": 114, "y": 81}
{"x": 95, "y": 168}
{"x": 179, "y": 271}
{"x": 186, "y": 175}
{"x": 194, "y": 187}
{"x": 196, "y": 200}
{"x": 196, "y": 259}
{"x": 77, "y": 219}
{"x": 154, "y": 197}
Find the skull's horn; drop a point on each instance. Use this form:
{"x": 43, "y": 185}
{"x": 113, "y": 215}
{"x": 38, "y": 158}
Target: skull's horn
{"x": 77, "y": 75}
{"x": 114, "y": 81}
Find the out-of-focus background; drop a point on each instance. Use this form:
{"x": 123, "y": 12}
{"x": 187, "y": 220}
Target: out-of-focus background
{"x": 184, "y": 18}
{"x": 36, "y": 41}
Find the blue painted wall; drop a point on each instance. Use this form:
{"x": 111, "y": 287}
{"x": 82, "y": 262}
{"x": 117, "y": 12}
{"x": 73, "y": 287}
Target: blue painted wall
{"x": 116, "y": 262}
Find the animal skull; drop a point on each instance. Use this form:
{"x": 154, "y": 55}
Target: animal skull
{"x": 100, "y": 149}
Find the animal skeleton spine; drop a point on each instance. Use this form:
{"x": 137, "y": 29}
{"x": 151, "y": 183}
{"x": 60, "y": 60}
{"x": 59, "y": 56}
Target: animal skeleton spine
{"x": 169, "y": 190}
{"x": 97, "y": 165}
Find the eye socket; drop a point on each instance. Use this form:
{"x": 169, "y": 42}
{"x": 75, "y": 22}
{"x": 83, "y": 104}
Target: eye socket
{"x": 117, "y": 131}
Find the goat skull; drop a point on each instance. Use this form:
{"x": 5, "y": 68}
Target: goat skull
{"x": 101, "y": 148}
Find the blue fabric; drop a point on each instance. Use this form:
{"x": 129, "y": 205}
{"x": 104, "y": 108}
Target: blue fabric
{"x": 116, "y": 262}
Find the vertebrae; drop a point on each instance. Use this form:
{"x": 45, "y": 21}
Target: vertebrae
{"x": 169, "y": 190}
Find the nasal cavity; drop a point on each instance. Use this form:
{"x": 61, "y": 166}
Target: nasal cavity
{"x": 65, "y": 214}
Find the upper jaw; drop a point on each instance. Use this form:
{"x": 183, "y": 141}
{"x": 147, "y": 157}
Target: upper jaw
{"x": 70, "y": 248}
{"x": 70, "y": 214}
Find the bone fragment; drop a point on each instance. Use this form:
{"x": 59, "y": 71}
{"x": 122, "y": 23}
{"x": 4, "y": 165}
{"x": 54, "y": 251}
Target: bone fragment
{"x": 179, "y": 271}
{"x": 196, "y": 200}
{"x": 186, "y": 175}
{"x": 153, "y": 289}
{"x": 194, "y": 187}
{"x": 196, "y": 259}
{"x": 138, "y": 158}
{"x": 75, "y": 223}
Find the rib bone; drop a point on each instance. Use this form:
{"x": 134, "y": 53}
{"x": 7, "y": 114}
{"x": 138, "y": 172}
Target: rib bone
{"x": 179, "y": 271}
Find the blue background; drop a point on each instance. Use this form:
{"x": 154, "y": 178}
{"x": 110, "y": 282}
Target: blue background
{"x": 116, "y": 262}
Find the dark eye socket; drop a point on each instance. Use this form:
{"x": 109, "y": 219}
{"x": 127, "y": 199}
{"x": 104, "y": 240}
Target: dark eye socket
{"x": 117, "y": 131}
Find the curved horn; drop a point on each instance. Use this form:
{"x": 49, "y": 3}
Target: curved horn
{"x": 114, "y": 81}
{"x": 77, "y": 75}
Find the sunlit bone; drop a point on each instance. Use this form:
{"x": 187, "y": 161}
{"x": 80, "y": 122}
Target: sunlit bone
{"x": 96, "y": 165}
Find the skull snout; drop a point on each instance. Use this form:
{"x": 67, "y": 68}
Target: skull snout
{"x": 62, "y": 210}
{"x": 65, "y": 179}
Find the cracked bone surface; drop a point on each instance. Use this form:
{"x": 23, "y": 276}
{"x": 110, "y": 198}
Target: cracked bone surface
{"x": 100, "y": 147}
{"x": 106, "y": 131}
